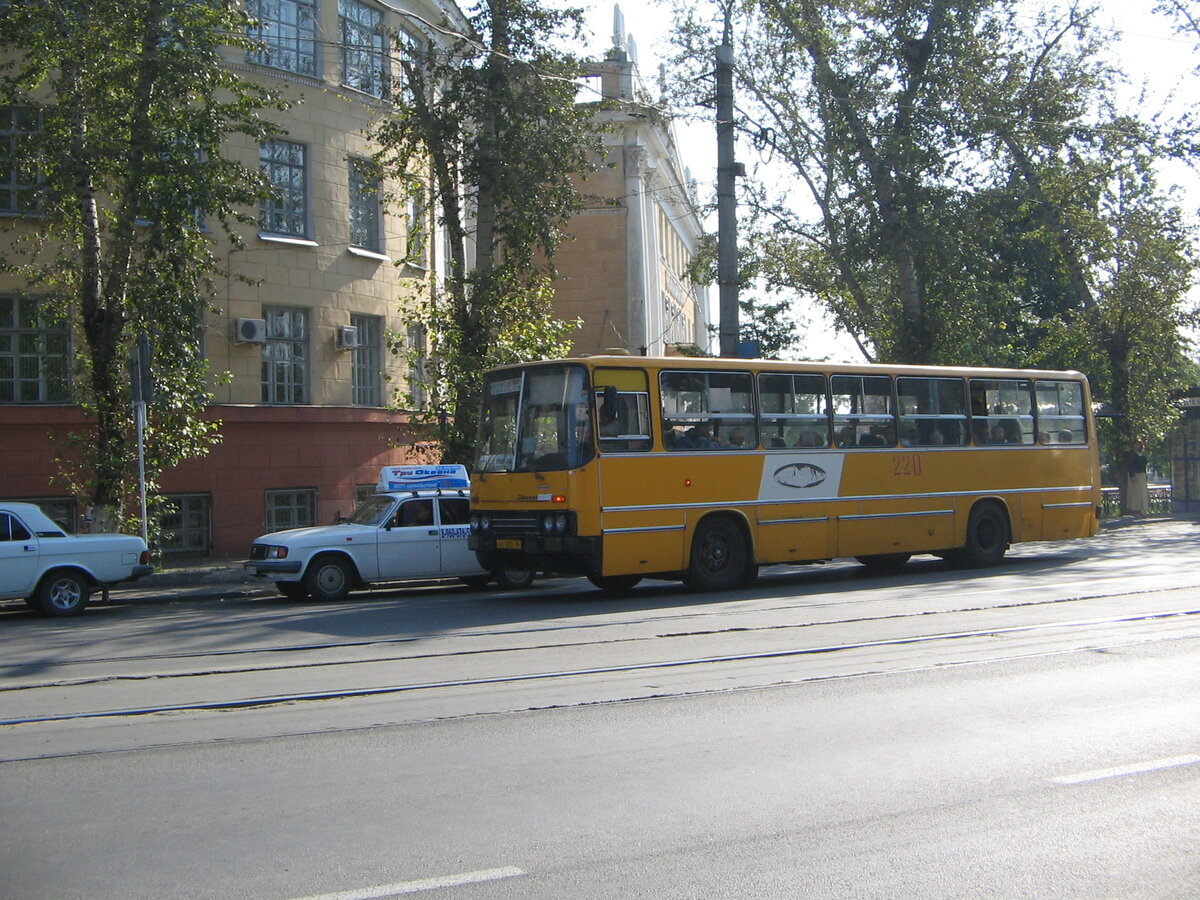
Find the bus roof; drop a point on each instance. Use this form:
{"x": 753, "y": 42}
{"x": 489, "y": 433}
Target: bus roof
{"x": 774, "y": 365}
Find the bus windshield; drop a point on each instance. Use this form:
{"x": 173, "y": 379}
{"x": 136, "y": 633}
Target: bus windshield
{"x": 535, "y": 420}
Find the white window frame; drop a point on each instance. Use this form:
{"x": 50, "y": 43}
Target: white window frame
{"x": 287, "y": 30}
{"x": 285, "y": 165}
{"x": 285, "y": 357}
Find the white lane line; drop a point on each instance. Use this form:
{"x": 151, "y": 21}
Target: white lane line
{"x": 1135, "y": 769}
{"x": 401, "y": 888}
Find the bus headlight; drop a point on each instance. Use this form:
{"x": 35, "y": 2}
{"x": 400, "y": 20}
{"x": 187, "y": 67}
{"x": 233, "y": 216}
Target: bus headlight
{"x": 556, "y": 523}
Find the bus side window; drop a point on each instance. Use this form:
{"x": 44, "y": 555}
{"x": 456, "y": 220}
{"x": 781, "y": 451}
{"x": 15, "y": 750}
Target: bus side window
{"x": 1060, "y": 412}
{"x": 863, "y": 414}
{"x": 794, "y": 410}
{"x": 933, "y": 411}
{"x": 1001, "y": 411}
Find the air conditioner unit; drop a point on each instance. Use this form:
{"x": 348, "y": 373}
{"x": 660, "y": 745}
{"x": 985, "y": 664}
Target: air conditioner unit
{"x": 346, "y": 337}
{"x": 250, "y": 331}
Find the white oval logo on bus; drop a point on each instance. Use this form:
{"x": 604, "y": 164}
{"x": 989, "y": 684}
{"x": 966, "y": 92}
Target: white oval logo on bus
{"x": 799, "y": 475}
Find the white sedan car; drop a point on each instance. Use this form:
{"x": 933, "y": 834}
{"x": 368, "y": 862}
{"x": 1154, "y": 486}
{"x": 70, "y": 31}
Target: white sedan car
{"x": 55, "y": 572}
{"x": 391, "y": 537}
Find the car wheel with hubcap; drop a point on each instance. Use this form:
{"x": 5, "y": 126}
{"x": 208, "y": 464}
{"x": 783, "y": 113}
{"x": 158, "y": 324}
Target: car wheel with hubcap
{"x": 329, "y": 577}
{"x": 63, "y": 592}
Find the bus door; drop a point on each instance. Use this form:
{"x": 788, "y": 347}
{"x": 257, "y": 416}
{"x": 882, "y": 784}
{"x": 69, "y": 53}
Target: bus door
{"x": 641, "y": 532}
{"x": 800, "y": 476}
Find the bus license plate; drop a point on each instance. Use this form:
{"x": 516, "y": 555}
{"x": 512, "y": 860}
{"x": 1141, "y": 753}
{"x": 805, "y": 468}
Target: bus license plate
{"x": 508, "y": 544}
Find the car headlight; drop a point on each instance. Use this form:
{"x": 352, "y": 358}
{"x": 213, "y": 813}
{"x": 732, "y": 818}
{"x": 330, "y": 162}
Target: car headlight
{"x": 276, "y": 552}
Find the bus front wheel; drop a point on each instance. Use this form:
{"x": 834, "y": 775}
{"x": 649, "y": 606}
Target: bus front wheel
{"x": 987, "y": 537}
{"x": 719, "y": 557}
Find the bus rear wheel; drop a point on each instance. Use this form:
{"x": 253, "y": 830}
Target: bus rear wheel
{"x": 987, "y": 537}
{"x": 719, "y": 557}
{"x": 615, "y": 584}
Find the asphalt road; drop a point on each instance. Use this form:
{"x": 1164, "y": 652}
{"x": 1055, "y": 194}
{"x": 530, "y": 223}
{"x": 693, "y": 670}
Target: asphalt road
{"x": 1032, "y": 730}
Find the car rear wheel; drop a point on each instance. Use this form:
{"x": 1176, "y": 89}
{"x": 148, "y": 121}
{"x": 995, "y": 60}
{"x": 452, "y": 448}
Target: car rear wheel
{"x": 514, "y": 579}
{"x": 329, "y": 578}
{"x": 63, "y": 592}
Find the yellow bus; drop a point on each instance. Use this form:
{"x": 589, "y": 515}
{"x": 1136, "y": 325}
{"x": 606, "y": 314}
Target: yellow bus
{"x": 621, "y": 468}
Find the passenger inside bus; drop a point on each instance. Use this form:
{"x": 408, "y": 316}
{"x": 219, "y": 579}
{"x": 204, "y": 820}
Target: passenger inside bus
{"x": 698, "y": 437}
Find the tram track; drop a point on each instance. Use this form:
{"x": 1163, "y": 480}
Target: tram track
{"x": 627, "y": 668}
{"x": 280, "y": 654}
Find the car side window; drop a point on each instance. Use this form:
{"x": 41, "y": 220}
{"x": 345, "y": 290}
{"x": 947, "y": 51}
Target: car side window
{"x": 455, "y": 512}
{"x": 416, "y": 513}
{"x": 11, "y": 529}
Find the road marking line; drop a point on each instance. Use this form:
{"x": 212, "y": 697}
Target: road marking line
{"x": 426, "y": 884}
{"x": 1135, "y": 769}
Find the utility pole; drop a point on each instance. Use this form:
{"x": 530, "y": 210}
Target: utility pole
{"x": 727, "y": 171}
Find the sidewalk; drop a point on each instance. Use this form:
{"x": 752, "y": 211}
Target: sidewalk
{"x": 228, "y": 578}
{"x": 204, "y": 580}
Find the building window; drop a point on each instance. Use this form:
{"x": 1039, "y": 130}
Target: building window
{"x": 284, "y": 164}
{"x": 417, "y": 387}
{"x": 291, "y": 509}
{"x": 364, "y": 48}
{"x": 409, "y": 46}
{"x": 285, "y": 357}
{"x": 287, "y": 30}
{"x": 20, "y": 182}
{"x": 365, "y": 361}
{"x": 35, "y": 354}
{"x": 186, "y": 523}
{"x": 60, "y": 510}
{"x": 364, "y": 207}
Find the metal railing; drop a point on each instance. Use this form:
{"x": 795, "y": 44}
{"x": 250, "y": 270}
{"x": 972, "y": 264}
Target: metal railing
{"x": 1160, "y": 501}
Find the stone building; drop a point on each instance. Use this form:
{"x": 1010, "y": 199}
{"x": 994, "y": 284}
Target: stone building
{"x": 306, "y": 422}
{"x": 625, "y": 274}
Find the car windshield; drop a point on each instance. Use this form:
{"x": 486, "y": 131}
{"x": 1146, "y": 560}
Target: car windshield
{"x": 372, "y": 511}
{"x": 536, "y": 420}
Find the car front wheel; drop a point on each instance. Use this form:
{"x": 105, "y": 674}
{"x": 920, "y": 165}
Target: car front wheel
{"x": 63, "y": 592}
{"x": 329, "y": 578}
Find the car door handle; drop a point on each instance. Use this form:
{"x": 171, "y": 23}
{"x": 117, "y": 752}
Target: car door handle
{"x": 30, "y": 548}
{"x": 432, "y": 532}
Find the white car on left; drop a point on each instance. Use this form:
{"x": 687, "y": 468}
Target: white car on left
{"x": 55, "y": 572}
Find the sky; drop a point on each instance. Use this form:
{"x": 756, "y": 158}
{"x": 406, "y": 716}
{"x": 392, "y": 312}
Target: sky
{"x": 1150, "y": 54}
